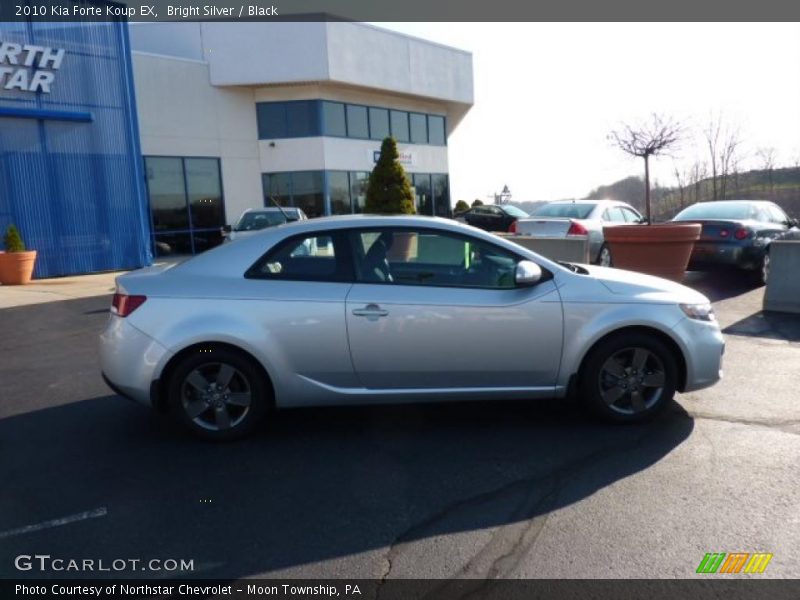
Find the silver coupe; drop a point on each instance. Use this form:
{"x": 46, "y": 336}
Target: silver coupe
{"x": 397, "y": 309}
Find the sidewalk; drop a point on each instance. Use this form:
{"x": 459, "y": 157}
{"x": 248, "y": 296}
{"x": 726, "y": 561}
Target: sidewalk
{"x": 64, "y": 288}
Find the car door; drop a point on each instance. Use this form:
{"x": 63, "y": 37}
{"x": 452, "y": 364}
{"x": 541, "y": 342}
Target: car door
{"x": 301, "y": 285}
{"x": 435, "y": 310}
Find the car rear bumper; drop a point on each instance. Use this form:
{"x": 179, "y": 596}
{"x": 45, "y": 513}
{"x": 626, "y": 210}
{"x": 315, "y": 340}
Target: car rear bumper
{"x": 128, "y": 360}
{"x": 711, "y": 254}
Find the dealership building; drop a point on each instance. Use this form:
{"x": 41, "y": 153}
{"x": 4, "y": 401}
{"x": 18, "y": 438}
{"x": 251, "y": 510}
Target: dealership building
{"x": 123, "y": 143}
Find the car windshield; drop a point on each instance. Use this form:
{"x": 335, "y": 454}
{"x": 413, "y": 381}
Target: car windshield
{"x": 253, "y": 221}
{"x": 514, "y": 211}
{"x": 567, "y": 210}
{"x": 718, "y": 210}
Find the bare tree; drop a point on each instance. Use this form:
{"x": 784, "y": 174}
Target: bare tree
{"x": 768, "y": 158}
{"x": 697, "y": 173}
{"x": 681, "y": 179}
{"x": 657, "y": 136}
{"x": 723, "y": 144}
{"x": 728, "y": 158}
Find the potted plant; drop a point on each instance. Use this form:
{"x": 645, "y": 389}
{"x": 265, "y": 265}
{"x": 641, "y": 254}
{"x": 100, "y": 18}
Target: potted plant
{"x": 663, "y": 249}
{"x": 389, "y": 193}
{"x": 16, "y": 264}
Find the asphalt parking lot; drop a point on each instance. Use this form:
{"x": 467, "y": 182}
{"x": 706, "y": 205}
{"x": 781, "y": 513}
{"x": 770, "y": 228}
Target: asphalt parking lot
{"x": 448, "y": 491}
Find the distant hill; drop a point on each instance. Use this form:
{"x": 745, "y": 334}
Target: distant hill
{"x": 782, "y": 186}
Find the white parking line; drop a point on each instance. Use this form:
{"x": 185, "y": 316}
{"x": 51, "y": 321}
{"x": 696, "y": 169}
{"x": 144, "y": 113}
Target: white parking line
{"x": 89, "y": 514}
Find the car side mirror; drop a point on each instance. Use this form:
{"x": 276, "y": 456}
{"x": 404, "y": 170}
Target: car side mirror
{"x": 226, "y": 229}
{"x": 527, "y": 273}
{"x": 643, "y": 221}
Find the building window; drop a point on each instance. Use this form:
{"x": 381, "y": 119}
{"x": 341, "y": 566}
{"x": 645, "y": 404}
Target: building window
{"x": 357, "y": 122}
{"x": 359, "y": 180}
{"x": 441, "y": 195}
{"x": 436, "y": 131}
{"x": 399, "y": 120}
{"x": 419, "y": 128}
{"x": 422, "y": 193}
{"x": 186, "y": 203}
{"x": 378, "y": 123}
{"x": 300, "y": 189}
{"x": 333, "y": 120}
{"x": 308, "y": 118}
{"x": 339, "y": 192}
{"x": 302, "y": 118}
{"x": 287, "y": 119}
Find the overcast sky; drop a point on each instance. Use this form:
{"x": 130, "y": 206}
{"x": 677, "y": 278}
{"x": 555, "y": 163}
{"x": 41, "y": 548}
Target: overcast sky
{"x": 547, "y": 95}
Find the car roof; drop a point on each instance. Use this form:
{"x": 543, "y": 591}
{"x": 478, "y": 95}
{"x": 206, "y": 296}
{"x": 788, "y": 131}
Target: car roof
{"x": 272, "y": 209}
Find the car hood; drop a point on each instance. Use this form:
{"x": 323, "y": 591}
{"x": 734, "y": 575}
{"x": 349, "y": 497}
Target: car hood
{"x": 645, "y": 288}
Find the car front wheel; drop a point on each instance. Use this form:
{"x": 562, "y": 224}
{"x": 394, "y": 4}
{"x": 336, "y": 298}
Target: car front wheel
{"x": 218, "y": 394}
{"x": 629, "y": 377}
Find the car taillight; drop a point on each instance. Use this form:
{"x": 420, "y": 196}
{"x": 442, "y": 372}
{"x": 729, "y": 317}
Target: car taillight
{"x": 122, "y": 305}
{"x": 576, "y": 229}
{"x": 742, "y": 233}
{"x": 513, "y": 227}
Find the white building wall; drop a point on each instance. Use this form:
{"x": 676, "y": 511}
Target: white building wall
{"x": 180, "y": 114}
{"x": 342, "y": 154}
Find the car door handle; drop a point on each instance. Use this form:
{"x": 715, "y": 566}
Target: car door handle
{"x": 371, "y": 311}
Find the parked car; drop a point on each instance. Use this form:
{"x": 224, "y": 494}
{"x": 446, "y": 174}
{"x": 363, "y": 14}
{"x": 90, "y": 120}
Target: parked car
{"x": 736, "y": 233}
{"x": 580, "y": 217}
{"x": 492, "y": 217}
{"x": 220, "y": 339}
{"x": 256, "y": 219}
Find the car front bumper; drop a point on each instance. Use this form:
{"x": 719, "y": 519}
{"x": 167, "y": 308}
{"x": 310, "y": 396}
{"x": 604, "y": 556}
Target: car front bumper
{"x": 129, "y": 359}
{"x": 703, "y": 348}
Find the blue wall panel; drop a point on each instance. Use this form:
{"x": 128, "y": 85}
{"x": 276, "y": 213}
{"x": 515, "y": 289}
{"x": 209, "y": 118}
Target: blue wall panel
{"x": 75, "y": 187}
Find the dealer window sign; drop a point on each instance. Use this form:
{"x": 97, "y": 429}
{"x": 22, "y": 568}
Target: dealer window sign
{"x": 27, "y": 67}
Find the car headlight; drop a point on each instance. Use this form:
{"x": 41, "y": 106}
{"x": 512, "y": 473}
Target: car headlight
{"x": 701, "y": 312}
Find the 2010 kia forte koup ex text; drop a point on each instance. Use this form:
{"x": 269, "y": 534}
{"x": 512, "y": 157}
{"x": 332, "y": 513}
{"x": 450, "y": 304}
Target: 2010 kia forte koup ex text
{"x": 371, "y": 309}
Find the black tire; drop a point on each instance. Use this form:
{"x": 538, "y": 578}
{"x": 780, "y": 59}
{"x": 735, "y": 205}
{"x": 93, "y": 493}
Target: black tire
{"x": 214, "y": 382}
{"x": 615, "y": 367}
{"x": 600, "y": 258}
{"x": 763, "y": 269}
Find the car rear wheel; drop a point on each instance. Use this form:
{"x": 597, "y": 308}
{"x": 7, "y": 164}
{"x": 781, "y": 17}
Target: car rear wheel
{"x": 629, "y": 377}
{"x": 218, "y": 394}
{"x": 604, "y": 257}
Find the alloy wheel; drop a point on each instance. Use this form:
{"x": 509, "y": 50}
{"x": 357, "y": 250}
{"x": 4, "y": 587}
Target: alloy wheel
{"x": 632, "y": 380}
{"x": 765, "y": 269}
{"x": 604, "y": 260}
{"x": 216, "y": 396}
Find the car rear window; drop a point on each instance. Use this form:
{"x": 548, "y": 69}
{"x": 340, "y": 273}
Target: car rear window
{"x": 567, "y": 210}
{"x": 719, "y": 210}
{"x": 259, "y": 220}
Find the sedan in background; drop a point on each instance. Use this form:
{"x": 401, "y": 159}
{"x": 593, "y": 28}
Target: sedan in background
{"x": 736, "y": 233}
{"x": 492, "y": 217}
{"x": 580, "y": 217}
{"x": 256, "y": 219}
{"x": 393, "y": 309}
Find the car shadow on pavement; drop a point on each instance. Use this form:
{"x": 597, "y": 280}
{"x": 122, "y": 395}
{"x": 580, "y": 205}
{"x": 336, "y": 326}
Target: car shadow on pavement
{"x": 721, "y": 284}
{"x": 315, "y": 485}
{"x": 768, "y": 324}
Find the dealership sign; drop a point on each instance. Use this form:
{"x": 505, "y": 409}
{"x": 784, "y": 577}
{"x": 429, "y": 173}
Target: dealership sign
{"x": 27, "y": 67}
{"x": 406, "y": 158}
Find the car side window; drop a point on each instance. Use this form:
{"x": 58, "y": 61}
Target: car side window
{"x": 614, "y": 215}
{"x": 310, "y": 257}
{"x": 430, "y": 258}
{"x": 777, "y": 215}
{"x": 631, "y": 216}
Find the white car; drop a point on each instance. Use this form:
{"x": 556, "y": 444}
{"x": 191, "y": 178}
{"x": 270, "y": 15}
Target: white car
{"x": 255, "y": 219}
{"x": 397, "y": 309}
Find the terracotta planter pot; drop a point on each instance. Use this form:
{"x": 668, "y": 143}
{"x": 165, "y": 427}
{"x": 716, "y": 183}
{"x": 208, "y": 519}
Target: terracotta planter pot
{"x": 662, "y": 250}
{"x": 16, "y": 268}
